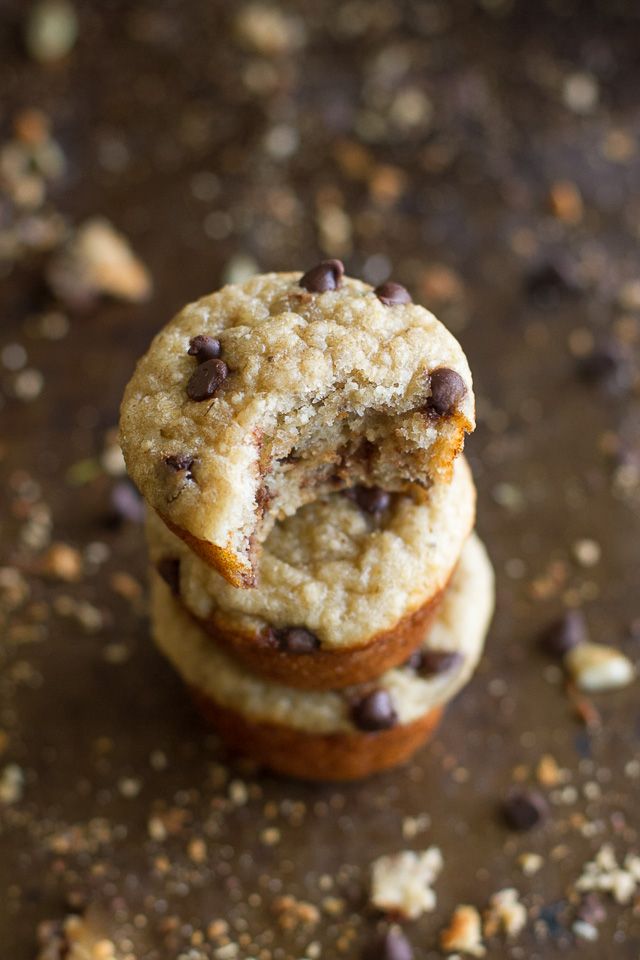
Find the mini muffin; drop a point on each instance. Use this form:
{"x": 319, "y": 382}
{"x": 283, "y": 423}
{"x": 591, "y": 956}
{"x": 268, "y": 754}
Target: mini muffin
{"x": 334, "y": 735}
{"x": 348, "y": 585}
{"x": 265, "y": 395}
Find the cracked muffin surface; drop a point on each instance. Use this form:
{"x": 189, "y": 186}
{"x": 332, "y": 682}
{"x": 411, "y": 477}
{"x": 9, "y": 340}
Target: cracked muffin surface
{"x": 263, "y": 396}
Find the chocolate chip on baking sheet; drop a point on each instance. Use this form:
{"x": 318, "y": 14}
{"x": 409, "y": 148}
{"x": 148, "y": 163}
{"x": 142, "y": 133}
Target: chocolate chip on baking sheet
{"x": 430, "y": 662}
{"x": 591, "y": 909}
{"x": 295, "y": 640}
{"x": 608, "y": 366}
{"x": 524, "y": 808}
{"x": 169, "y": 570}
{"x": 369, "y": 499}
{"x": 565, "y": 634}
{"x": 204, "y": 348}
{"x": 392, "y": 294}
{"x": 391, "y": 945}
{"x": 447, "y": 390}
{"x": 326, "y": 276}
{"x": 551, "y": 282}
{"x": 180, "y": 462}
{"x": 206, "y": 379}
{"x": 375, "y": 711}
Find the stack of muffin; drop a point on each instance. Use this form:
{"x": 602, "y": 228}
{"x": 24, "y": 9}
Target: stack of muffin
{"x": 316, "y": 580}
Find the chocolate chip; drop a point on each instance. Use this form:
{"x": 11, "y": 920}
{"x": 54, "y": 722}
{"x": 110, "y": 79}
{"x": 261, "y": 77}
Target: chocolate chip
{"x": 326, "y": 276}
{"x": 524, "y": 808}
{"x": 608, "y": 366}
{"x": 552, "y": 282}
{"x": 374, "y": 712}
{"x": 204, "y": 348}
{"x": 369, "y": 499}
{"x": 126, "y": 503}
{"x": 591, "y": 910}
{"x": 414, "y": 660}
{"x": 169, "y": 570}
{"x": 391, "y": 945}
{"x": 430, "y": 662}
{"x": 295, "y": 640}
{"x": 180, "y": 462}
{"x": 565, "y": 634}
{"x": 447, "y": 390}
{"x": 206, "y": 379}
{"x": 392, "y": 294}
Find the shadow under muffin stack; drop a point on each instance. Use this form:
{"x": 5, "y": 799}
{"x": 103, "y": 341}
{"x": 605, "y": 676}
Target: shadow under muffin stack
{"x": 315, "y": 577}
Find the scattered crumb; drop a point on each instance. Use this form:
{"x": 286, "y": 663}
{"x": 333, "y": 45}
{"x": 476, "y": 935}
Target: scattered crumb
{"x": 604, "y": 873}
{"x": 268, "y": 30}
{"x": 238, "y": 793}
{"x": 548, "y": 772}
{"x": 584, "y": 930}
{"x": 401, "y": 883}
{"x": 294, "y": 913}
{"x": 596, "y": 667}
{"x": 411, "y": 826}
{"x": 270, "y": 836}
{"x": 62, "y": 562}
{"x": 74, "y": 939}
{"x": 530, "y": 863}
{"x": 464, "y": 933}
{"x": 566, "y": 202}
{"x": 51, "y": 30}
{"x": 587, "y": 552}
{"x": 505, "y": 913}
{"x": 11, "y": 784}
{"x": 97, "y": 260}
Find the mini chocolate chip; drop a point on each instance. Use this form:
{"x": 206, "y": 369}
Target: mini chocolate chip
{"x": 375, "y": 711}
{"x": 206, "y": 379}
{"x": 392, "y": 294}
{"x": 326, "y": 276}
{"x": 391, "y": 945}
{"x": 447, "y": 390}
{"x": 437, "y": 661}
{"x": 551, "y": 282}
{"x": 608, "y": 366}
{"x": 565, "y": 634}
{"x": 369, "y": 499}
{"x": 204, "y": 348}
{"x": 523, "y": 808}
{"x": 169, "y": 570}
{"x": 179, "y": 463}
{"x": 126, "y": 503}
{"x": 295, "y": 640}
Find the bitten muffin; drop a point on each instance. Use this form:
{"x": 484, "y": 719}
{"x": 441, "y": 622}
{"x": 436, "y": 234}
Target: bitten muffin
{"x": 259, "y": 398}
{"x": 334, "y": 735}
{"x": 348, "y": 585}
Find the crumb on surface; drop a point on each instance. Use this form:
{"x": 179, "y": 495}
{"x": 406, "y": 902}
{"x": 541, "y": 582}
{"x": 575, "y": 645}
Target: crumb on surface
{"x": 464, "y": 933}
{"x": 401, "y": 883}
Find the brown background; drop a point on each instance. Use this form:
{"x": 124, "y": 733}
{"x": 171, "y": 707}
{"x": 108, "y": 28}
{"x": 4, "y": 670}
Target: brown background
{"x": 166, "y": 83}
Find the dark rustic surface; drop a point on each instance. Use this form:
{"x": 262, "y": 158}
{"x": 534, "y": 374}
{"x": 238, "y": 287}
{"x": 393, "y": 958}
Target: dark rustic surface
{"x": 453, "y": 193}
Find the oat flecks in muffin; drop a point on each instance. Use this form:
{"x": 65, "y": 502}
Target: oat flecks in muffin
{"x": 316, "y": 388}
{"x": 401, "y": 884}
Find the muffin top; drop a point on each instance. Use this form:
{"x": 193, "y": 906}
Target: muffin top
{"x": 251, "y": 400}
{"x": 457, "y": 634}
